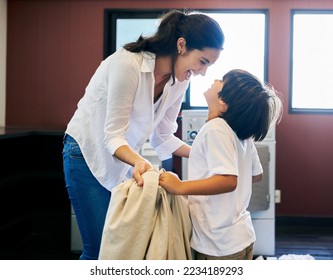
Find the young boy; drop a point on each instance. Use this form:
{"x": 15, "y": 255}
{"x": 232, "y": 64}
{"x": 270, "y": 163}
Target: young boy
{"x": 223, "y": 163}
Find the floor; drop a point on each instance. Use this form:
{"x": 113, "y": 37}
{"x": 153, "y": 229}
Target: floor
{"x": 46, "y": 237}
{"x": 302, "y": 236}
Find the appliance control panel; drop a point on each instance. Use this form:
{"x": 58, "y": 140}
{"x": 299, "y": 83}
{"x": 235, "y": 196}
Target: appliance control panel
{"x": 192, "y": 121}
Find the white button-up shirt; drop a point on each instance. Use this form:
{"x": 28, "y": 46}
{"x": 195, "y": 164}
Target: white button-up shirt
{"x": 118, "y": 109}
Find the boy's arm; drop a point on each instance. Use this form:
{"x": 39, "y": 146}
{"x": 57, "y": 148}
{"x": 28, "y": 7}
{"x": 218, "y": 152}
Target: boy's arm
{"x": 215, "y": 184}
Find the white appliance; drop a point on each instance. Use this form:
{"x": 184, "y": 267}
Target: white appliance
{"x": 262, "y": 204}
{"x": 148, "y": 152}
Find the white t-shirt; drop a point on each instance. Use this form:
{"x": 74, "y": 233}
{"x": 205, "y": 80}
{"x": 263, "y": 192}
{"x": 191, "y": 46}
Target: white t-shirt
{"x": 221, "y": 223}
{"x": 118, "y": 109}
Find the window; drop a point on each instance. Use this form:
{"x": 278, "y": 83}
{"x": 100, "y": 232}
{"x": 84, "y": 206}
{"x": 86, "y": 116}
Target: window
{"x": 245, "y": 43}
{"x": 311, "y": 87}
{"x": 244, "y": 48}
{"x": 124, "y": 26}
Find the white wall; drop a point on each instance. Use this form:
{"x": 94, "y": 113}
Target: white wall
{"x": 3, "y": 47}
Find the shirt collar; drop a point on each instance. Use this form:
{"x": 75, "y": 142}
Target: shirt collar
{"x": 148, "y": 62}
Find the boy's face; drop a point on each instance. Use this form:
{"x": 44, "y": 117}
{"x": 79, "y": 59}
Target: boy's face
{"x": 213, "y": 101}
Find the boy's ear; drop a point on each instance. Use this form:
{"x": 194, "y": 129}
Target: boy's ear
{"x": 224, "y": 105}
{"x": 221, "y": 101}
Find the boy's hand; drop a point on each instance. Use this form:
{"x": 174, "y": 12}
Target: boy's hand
{"x": 170, "y": 182}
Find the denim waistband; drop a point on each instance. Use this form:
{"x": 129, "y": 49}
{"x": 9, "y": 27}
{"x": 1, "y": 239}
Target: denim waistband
{"x": 68, "y": 138}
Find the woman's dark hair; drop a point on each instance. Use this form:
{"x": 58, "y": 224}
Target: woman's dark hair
{"x": 200, "y": 31}
{"x": 252, "y": 105}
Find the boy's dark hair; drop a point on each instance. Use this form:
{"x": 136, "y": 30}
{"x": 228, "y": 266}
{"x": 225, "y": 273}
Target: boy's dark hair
{"x": 252, "y": 105}
{"x": 200, "y": 31}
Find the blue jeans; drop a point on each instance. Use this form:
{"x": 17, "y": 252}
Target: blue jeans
{"x": 90, "y": 200}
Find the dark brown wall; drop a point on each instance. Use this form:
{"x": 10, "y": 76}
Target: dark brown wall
{"x": 55, "y": 46}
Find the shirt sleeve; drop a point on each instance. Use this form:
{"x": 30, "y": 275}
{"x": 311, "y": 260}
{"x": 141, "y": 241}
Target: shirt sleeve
{"x": 162, "y": 138}
{"x": 121, "y": 86}
{"x": 221, "y": 151}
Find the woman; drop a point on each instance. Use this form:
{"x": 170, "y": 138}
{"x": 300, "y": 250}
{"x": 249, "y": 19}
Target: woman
{"x": 135, "y": 94}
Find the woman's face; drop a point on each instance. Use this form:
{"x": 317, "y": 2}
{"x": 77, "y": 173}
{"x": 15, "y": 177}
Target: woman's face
{"x": 194, "y": 62}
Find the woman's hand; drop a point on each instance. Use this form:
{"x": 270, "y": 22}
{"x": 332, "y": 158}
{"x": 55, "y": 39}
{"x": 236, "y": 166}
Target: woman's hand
{"x": 140, "y": 167}
{"x": 170, "y": 181}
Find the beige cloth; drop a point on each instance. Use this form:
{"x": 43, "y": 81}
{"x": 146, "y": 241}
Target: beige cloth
{"x": 146, "y": 223}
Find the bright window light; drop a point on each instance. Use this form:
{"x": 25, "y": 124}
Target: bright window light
{"x": 244, "y": 48}
{"x": 129, "y": 30}
{"x": 312, "y": 62}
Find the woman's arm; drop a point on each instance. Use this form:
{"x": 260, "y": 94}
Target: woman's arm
{"x": 126, "y": 154}
{"x": 183, "y": 151}
{"x": 215, "y": 184}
